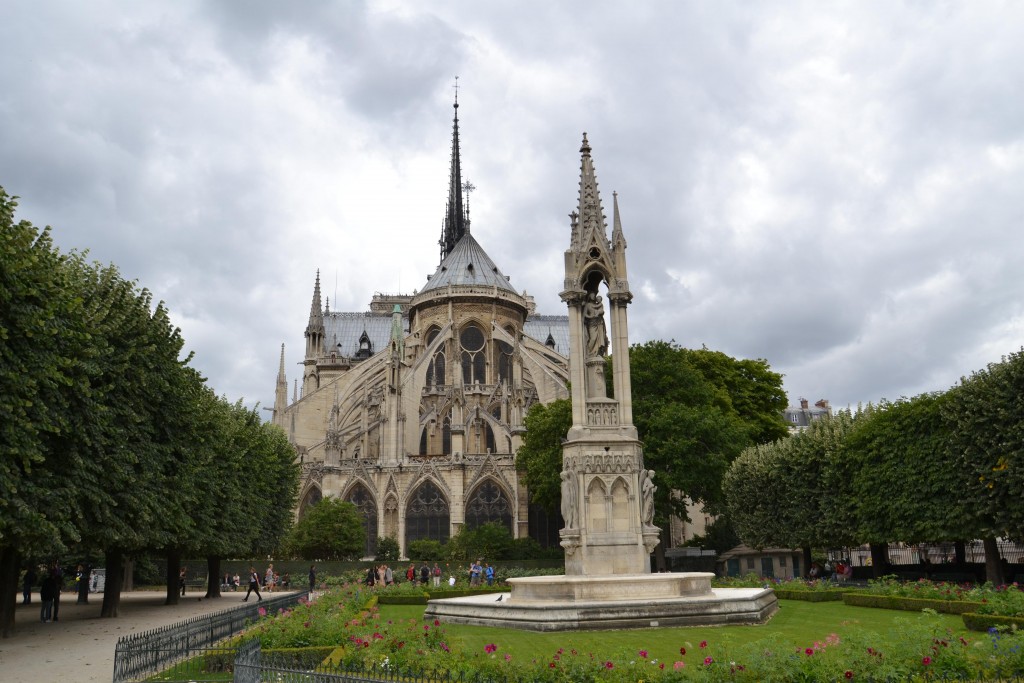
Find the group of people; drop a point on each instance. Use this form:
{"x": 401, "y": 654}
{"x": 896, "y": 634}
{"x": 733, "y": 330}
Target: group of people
{"x": 384, "y": 575}
{"x": 271, "y": 579}
{"x": 478, "y": 573}
{"x": 841, "y": 572}
{"x": 50, "y": 587}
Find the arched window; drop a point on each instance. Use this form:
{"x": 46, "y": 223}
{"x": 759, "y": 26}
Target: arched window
{"x": 361, "y": 498}
{"x": 503, "y": 353}
{"x": 488, "y": 503}
{"x": 474, "y": 364}
{"x": 446, "y": 435}
{"x": 312, "y": 497}
{"x": 426, "y": 515}
{"x": 435, "y": 371}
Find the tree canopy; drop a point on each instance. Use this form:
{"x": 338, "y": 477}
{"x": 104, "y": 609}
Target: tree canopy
{"x": 330, "y": 530}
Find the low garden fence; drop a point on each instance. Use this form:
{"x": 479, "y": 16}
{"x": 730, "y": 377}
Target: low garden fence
{"x": 140, "y": 655}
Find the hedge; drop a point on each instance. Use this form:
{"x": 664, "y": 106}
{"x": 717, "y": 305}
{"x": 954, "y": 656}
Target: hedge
{"x": 385, "y": 599}
{"x": 983, "y": 622}
{"x": 861, "y": 599}
{"x": 809, "y": 596}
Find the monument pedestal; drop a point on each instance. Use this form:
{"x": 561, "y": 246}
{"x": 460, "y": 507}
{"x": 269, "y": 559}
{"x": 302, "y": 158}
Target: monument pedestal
{"x": 588, "y": 603}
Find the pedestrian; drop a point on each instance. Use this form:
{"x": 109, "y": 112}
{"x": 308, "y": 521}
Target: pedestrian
{"x": 236, "y": 581}
{"x": 371, "y": 576}
{"x": 26, "y": 585}
{"x": 268, "y": 579}
{"x": 58, "y": 577}
{"x": 312, "y": 577}
{"x": 424, "y": 574}
{"x": 489, "y": 574}
{"x": 451, "y": 581}
{"x": 389, "y": 576}
{"x": 437, "y": 575}
{"x": 82, "y": 578}
{"x": 254, "y": 585}
{"x": 46, "y": 595}
{"x": 410, "y": 573}
{"x": 182, "y": 573}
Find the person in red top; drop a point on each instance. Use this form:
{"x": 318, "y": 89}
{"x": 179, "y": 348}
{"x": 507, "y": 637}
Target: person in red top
{"x": 410, "y": 573}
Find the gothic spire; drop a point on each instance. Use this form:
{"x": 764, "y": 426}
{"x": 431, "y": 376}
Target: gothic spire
{"x": 315, "y": 331}
{"x": 589, "y": 229}
{"x": 455, "y": 222}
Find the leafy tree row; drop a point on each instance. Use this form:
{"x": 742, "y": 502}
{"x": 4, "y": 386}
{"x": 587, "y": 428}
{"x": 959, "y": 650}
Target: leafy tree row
{"x": 695, "y": 411}
{"x": 109, "y": 440}
{"x": 938, "y": 467}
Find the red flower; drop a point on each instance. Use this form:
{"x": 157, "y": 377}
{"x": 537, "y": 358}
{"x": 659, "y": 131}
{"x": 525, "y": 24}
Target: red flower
{"x": 926, "y": 661}
{"x": 437, "y": 622}
{"x": 490, "y": 647}
{"x": 809, "y": 651}
{"x": 703, "y": 644}
{"x": 643, "y": 653}
{"x": 682, "y": 651}
{"x": 848, "y": 674}
{"x": 708, "y": 661}
{"x": 609, "y": 665}
{"x": 551, "y": 665}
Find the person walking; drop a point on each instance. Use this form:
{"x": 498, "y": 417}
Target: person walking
{"x": 254, "y": 585}
{"x": 312, "y": 577}
{"x": 182, "y": 573}
{"x": 268, "y": 579}
{"x": 58, "y": 577}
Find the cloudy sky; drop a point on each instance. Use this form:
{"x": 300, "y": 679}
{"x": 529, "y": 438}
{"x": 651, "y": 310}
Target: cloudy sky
{"x": 835, "y": 187}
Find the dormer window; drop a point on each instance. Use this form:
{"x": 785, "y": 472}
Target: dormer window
{"x": 365, "y": 346}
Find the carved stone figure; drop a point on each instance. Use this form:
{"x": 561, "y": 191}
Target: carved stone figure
{"x": 593, "y": 318}
{"x": 647, "y": 489}
{"x": 569, "y": 503}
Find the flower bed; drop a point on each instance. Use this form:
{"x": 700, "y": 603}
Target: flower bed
{"x": 916, "y": 647}
{"x": 866, "y": 599}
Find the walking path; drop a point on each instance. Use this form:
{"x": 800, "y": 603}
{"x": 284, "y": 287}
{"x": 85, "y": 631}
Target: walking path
{"x": 80, "y": 647}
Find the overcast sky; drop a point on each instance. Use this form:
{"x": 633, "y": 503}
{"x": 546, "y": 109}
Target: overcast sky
{"x": 837, "y": 188}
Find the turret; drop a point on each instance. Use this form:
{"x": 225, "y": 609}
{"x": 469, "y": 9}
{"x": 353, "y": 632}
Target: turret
{"x": 280, "y": 393}
{"x": 315, "y": 334}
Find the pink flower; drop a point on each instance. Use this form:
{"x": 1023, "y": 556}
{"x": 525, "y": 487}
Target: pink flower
{"x": 262, "y": 611}
{"x": 679, "y": 665}
{"x": 609, "y": 665}
{"x": 926, "y": 661}
{"x": 437, "y": 622}
{"x": 643, "y": 653}
{"x": 490, "y": 647}
{"x": 809, "y": 651}
{"x": 708, "y": 661}
{"x": 508, "y": 658}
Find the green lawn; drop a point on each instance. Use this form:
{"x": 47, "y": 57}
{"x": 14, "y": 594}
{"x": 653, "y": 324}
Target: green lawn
{"x": 797, "y": 623}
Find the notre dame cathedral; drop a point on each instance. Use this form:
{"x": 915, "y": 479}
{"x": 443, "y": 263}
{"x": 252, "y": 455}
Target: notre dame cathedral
{"x": 414, "y": 409}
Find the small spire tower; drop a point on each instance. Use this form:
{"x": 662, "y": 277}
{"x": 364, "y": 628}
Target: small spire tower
{"x": 456, "y": 221}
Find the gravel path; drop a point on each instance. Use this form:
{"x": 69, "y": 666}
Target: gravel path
{"x": 80, "y": 647}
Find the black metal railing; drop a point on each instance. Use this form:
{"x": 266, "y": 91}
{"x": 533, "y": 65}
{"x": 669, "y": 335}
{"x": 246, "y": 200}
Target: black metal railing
{"x": 140, "y": 655}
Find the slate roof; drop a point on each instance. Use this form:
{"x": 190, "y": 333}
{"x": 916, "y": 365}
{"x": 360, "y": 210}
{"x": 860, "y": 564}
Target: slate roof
{"x": 467, "y": 264}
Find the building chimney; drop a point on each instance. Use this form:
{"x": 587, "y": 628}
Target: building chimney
{"x": 803, "y": 403}
{"x": 822, "y": 403}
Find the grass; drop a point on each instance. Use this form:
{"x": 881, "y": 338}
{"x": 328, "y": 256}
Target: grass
{"x": 797, "y": 622}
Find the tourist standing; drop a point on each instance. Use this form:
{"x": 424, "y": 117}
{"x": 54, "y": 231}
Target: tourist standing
{"x": 312, "y": 577}
{"x": 268, "y": 579}
{"x": 254, "y": 585}
{"x": 182, "y": 573}
{"x": 236, "y": 581}
{"x": 437, "y": 575}
{"x": 489, "y": 574}
{"x": 46, "y": 595}
{"x": 410, "y": 573}
{"x": 371, "y": 576}
{"x": 26, "y": 585}
{"x": 389, "y": 576}
{"x": 58, "y": 577}
{"x": 84, "y": 571}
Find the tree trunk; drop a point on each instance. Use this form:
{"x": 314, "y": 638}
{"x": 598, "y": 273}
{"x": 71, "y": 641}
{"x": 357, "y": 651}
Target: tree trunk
{"x": 960, "y": 553}
{"x": 807, "y": 559}
{"x": 128, "y": 584}
{"x": 879, "y": 559}
{"x": 173, "y": 568}
{"x": 112, "y": 590}
{"x": 8, "y": 594}
{"x": 993, "y": 565}
{"x": 213, "y": 576}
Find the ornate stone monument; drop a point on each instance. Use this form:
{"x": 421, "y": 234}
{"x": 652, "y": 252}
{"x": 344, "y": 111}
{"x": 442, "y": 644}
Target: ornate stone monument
{"x": 607, "y": 493}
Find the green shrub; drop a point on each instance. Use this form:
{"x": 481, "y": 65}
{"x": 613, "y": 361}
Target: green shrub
{"x": 808, "y": 596}
{"x": 984, "y": 622}
{"x": 427, "y": 550}
{"x": 387, "y": 549}
{"x": 865, "y": 599}
{"x": 491, "y": 541}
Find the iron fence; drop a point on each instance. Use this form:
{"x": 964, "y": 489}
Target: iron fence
{"x": 140, "y": 655}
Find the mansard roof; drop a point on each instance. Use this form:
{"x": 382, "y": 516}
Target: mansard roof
{"x": 468, "y": 264}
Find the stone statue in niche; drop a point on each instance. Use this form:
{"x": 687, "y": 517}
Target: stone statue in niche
{"x": 647, "y": 489}
{"x": 593, "y": 318}
{"x": 569, "y": 503}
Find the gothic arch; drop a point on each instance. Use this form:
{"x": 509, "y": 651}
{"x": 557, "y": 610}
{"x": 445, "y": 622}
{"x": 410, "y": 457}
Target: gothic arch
{"x": 427, "y": 514}
{"x": 620, "y": 517}
{"x": 360, "y": 496}
{"x": 310, "y": 497}
{"x": 489, "y": 502}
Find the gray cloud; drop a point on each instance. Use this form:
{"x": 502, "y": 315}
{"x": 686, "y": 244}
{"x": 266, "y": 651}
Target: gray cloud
{"x": 835, "y": 190}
